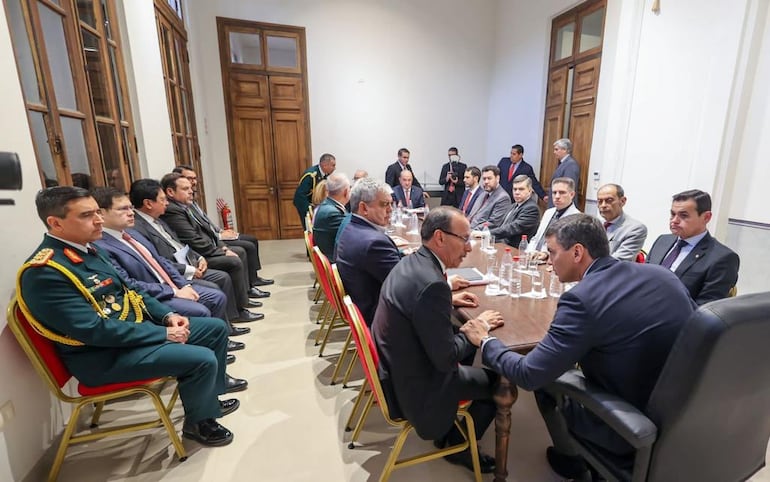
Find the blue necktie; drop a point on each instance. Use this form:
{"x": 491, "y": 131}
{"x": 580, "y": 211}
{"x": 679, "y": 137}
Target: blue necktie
{"x": 669, "y": 260}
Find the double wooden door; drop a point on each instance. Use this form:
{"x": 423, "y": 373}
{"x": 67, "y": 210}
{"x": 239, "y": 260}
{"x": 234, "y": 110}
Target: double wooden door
{"x": 264, "y": 78}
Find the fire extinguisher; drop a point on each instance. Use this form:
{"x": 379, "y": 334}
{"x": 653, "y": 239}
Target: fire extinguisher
{"x": 227, "y": 220}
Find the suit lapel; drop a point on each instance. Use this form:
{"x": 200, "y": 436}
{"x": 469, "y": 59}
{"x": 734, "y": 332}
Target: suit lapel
{"x": 697, "y": 253}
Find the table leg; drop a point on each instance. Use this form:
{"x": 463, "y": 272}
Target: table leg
{"x": 505, "y": 396}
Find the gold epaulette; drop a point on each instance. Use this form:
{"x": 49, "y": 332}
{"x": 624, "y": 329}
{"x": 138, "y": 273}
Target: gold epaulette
{"x": 41, "y": 257}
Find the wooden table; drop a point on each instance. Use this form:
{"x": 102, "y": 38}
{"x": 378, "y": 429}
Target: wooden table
{"x": 526, "y": 322}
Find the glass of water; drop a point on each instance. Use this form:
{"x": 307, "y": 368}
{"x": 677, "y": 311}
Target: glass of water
{"x": 537, "y": 284}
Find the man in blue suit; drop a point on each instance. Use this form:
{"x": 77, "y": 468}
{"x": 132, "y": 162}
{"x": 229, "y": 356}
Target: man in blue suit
{"x": 406, "y": 193}
{"x": 513, "y": 166}
{"x": 568, "y": 166}
{"x": 330, "y": 213}
{"x": 619, "y": 323}
{"x": 364, "y": 253}
{"x": 159, "y": 279}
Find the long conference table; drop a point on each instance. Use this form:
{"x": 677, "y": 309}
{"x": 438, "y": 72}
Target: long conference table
{"x": 526, "y": 322}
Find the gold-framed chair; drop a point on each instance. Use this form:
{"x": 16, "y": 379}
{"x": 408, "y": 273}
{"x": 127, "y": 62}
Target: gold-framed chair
{"x": 367, "y": 353}
{"x": 333, "y": 319}
{"x": 46, "y": 362}
{"x": 339, "y": 289}
{"x": 309, "y": 244}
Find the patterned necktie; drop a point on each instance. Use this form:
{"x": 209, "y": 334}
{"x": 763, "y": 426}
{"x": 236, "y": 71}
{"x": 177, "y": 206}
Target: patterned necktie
{"x": 607, "y": 225}
{"x": 669, "y": 260}
{"x": 149, "y": 260}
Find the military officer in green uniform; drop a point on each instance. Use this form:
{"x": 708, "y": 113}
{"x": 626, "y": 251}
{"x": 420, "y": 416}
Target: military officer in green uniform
{"x": 107, "y": 333}
{"x": 312, "y": 176}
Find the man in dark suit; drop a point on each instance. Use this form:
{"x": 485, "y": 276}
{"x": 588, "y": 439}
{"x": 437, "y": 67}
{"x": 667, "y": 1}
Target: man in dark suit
{"x": 452, "y": 174}
{"x": 495, "y": 203}
{"x": 330, "y": 213}
{"x": 619, "y": 324}
{"x": 511, "y": 167}
{"x": 708, "y": 268}
{"x": 568, "y": 166}
{"x": 150, "y": 203}
{"x": 471, "y": 200}
{"x": 365, "y": 255}
{"x": 406, "y": 194}
{"x": 307, "y": 183}
{"x": 524, "y": 216}
{"x": 229, "y": 236}
{"x": 393, "y": 171}
{"x": 232, "y": 260}
{"x": 419, "y": 350}
{"x": 106, "y": 332}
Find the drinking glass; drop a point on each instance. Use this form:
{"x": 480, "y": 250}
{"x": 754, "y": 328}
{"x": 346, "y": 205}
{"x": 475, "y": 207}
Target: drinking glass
{"x": 537, "y": 284}
{"x": 554, "y": 287}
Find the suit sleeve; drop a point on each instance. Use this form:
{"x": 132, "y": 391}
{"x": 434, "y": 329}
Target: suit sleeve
{"x": 432, "y": 313}
{"x": 180, "y": 223}
{"x": 536, "y": 184}
{"x": 631, "y": 244}
{"x": 381, "y": 259}
{"x": 567, "y": 341}
{"x": 391, "y": 177}
{"x": 442, "y": 177}
{"x": 154, "y": 289}
{"x": 720, "y": 278}
{"x": 499, "y": 210}
{"x": 572, "y": 170}
{"x": 418, "y": 200}
{"x": 57, "y": 304}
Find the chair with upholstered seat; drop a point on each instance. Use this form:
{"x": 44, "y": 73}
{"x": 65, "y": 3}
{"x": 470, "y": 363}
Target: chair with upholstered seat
{"x": 333, "y": 319}
{"x": 367, "y": 353}
{"x": 706, "y": 418}
{"x": 45, "y": 359}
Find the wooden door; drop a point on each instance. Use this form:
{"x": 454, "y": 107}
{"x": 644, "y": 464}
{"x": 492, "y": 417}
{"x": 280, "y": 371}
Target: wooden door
{"x": 573, "y": 81}
{"x": 554, "y": 122}
{"x": 581, "y": 127}
{"x": 263, "y": 71}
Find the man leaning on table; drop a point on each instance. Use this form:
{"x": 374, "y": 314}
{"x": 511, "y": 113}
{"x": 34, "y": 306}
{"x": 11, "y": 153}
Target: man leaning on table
{"x": 420, "y": 353}
{"x": 618, "y": 323}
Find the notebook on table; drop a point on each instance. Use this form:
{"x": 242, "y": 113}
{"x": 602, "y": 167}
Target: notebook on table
{"x": 473, "y": 275}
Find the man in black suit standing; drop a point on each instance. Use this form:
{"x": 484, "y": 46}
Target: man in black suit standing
{"x": 524, "y": 216}
{"x": 419, "y": 351}
{"x": 393, "y": 171}
{"x": 708, "y": 268}
{"x": 620, "y": 337}
{"x": 452, "y": 175}
{"x": 511, "y": 167}
{"x": 229, "y": 236}
{"x": 568, "y": 166}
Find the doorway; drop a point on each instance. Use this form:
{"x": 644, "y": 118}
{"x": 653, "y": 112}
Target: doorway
{"x": 264, "y": 77}
{"x": 573, "y": 84}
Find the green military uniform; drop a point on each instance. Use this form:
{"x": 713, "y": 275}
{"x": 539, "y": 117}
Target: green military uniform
{"x": 304, "y": 193}
{"x": 106, "y": 333}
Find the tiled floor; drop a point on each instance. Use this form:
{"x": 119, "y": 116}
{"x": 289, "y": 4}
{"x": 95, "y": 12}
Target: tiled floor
{"x": 289, "y": 426}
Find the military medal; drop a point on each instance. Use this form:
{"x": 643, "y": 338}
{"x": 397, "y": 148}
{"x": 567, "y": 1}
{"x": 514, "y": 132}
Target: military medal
{"x": 107, "y": 311}
{"x": 94, "y": 278}
{"x": 115, "y": 306}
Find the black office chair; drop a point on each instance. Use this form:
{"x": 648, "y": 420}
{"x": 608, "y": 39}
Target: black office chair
{"x": 708, "y": 417}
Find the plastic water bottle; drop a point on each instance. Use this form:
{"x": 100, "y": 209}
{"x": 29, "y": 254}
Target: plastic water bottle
{"x": 506, "y": 267}
{"x": 523, "y": 245}
{"x": 515, "y": 284}
{"x": 485, "y": 237}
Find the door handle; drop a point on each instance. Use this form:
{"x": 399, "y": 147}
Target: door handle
{"x": 271, "y": 190}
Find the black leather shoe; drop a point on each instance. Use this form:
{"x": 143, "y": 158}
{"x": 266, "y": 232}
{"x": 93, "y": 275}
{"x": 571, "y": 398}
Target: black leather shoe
{"x": 254, "y": 304}
{"x": 207, "y": 432}
{"x": 246, "y": 316}
{"x": 230, "y": 359}
{"x": 567, "y": 466}
{"x": 229, "y": 406}
{"x": 235, "y": 345}
{"x": 486, "y": 462}
{"x": 238, "y": 331}
{"x": 263, "y": 281}
{"x": 255, "y": 292}
{"x": 235, "y": 384}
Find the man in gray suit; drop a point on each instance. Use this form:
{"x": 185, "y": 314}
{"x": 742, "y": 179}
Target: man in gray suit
{"x": 568, "y": 166}
{"x": 495, "y": 202}
{"x": 625, "y": 234}
{"x": 524, "y": 216}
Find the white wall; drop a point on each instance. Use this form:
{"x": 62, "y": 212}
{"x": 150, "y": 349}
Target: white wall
{"x": 382, "y": 75}
{"x": 144, "y": 71}
{"x": 517, "y": 92}
{"x": 24, "y": 437}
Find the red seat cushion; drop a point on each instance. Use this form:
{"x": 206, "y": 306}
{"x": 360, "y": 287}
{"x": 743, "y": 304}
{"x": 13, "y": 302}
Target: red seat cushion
{"x": 86, "y": 391}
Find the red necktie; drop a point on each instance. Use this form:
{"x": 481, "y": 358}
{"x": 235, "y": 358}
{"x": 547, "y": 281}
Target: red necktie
{"x": 150, "y": 260}
{"x": 407, "y": 198}
{"x": 468, "y": 197}
{"x": 510, "y": 172}
{"x": 607, "y": 225}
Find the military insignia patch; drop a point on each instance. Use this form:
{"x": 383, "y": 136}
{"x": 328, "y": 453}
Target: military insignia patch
{"x": 72, "y": 255}
{"x": 41, "y": 257}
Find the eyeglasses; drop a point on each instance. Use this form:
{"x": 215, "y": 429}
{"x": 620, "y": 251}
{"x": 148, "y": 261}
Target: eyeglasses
{"x": 464, "y": 239}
